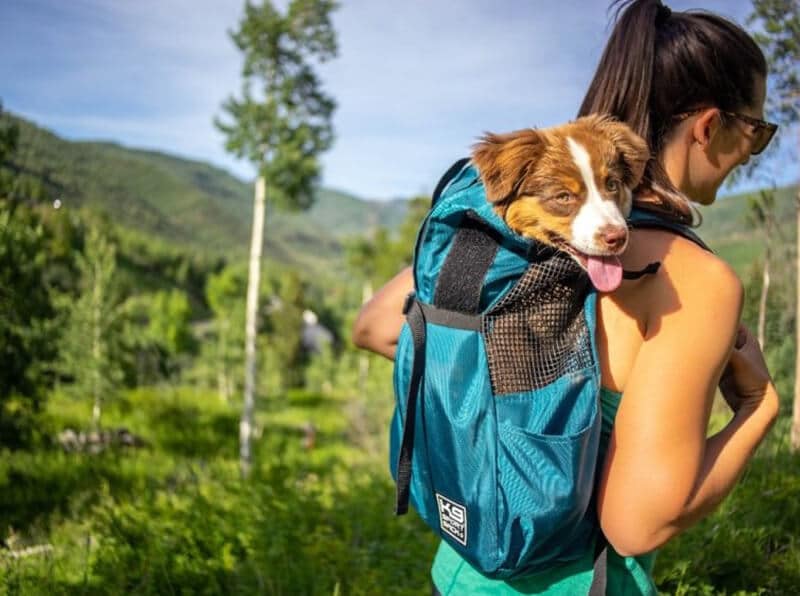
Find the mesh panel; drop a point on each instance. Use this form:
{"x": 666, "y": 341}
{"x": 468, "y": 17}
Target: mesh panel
{"x": 537, "y": 332}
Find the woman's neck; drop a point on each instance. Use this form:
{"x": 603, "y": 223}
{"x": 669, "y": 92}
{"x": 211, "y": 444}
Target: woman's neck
{"x": 675, "y": 161}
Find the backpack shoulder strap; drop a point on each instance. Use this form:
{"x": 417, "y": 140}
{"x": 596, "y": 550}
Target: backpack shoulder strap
{"x": 639, "y": 218}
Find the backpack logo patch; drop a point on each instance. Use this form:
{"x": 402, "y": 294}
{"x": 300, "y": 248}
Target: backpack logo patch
{"x": 452, "y": 518}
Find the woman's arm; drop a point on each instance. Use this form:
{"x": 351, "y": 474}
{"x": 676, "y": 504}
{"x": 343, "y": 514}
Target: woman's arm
{"x": 380, "y": 320}
{"x": 661, "y": 473}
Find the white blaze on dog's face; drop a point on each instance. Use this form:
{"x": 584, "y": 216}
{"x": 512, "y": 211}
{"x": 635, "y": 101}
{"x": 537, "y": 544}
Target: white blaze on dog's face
{"x": 598, "y": 212}
{"x": 569, "y": 186}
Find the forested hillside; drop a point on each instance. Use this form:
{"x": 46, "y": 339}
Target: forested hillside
{"x": 183, "y": 202}
{"x": 726, "y": 229}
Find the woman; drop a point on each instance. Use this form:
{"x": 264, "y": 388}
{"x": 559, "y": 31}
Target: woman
{"x": 693, "y": 85}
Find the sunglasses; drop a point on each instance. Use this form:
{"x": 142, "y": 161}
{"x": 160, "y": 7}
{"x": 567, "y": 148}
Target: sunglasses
{"x": 763, "y": 131}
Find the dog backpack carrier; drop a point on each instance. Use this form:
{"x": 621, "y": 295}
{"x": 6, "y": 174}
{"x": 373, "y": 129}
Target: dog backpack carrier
{"x": 495, "y": 434}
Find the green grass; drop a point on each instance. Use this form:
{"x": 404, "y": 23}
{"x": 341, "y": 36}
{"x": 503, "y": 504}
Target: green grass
{"x": 751, "y": 545}
{"x": 175, "y": 517}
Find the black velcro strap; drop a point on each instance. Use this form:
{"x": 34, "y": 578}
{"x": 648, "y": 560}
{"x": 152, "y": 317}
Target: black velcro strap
{"x": 650, "y": 269}
{"x": 448, "y": 176}
{"x": 443, "y": 317}
{"x": 451, "y": 318}
{"x": 599, "y": 577}
{"x": 416, "y": 322}
{"x": 460, "y": 280}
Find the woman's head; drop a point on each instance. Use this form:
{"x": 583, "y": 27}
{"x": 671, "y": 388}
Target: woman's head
{"x": 658, "y": 70}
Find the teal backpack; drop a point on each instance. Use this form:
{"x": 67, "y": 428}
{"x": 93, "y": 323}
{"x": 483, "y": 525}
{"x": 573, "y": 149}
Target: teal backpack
{"x": 495, "y": 434}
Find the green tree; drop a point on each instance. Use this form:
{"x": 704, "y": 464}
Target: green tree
{"x": 777, "y": 24}
{"x": 379, "y": 257}
{"x": 26, "y": 309}
{"x": 281, "y": 124}
{"x": 224, "y": 293}
{"x": 9, "y": 136}
{"x": 168, "y": 325}
{"x": 90, "y": 353}
{"x": 284, "y": 323}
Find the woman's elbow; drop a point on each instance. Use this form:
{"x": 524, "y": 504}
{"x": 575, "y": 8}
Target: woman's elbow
{"x": 637, "y": 530}
{"x": 633, "y": 541}
{"x": 360, "y": 333}
{"x": 368, "y": 335}
{"x": 632, "y": 533}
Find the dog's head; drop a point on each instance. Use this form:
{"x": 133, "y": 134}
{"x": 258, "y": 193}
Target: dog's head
{"x": 569, "y": 187}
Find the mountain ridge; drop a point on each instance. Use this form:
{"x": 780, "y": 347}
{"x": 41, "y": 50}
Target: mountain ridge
{"x": 186, "y": 201}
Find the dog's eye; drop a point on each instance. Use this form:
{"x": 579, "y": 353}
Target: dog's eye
{"x": 564, "y": 197}
{"x": 612, "y": 185}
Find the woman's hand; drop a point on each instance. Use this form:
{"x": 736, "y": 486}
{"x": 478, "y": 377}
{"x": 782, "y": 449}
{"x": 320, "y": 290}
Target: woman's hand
{"x": 746, "y": 382}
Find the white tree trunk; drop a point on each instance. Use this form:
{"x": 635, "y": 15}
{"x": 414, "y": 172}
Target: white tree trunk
{"x": 795, "y": 439}
{"x": 762, "y": 303}
{"x": 253, "y": 282}
{"x": 96, "y": 356}
{"x": 223, "y": 381}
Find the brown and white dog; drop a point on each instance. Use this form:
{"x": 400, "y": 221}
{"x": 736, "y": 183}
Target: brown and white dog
{"x": 570, "y": 186}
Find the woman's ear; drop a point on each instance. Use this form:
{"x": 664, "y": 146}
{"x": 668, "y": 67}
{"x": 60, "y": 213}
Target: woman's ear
{"x": 503, "y": 160}
{"x": 706, "y": 126}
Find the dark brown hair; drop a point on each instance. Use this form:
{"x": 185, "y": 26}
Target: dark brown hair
{"x": 657, "y": 64}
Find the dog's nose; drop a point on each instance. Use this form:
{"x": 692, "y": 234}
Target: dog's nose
{"x": 614, "y": 237}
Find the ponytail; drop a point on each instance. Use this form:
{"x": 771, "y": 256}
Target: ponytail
{"x": 622, "y": 85}
{"x": 657, "y": 64}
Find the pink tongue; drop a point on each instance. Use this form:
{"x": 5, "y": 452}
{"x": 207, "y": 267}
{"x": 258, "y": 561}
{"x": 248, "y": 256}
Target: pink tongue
{"x": 605, "y": 272}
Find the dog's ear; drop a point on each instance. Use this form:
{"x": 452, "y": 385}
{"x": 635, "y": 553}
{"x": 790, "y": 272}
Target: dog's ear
{"x": 632, "y": 148}
{"x": 504, "y": 160}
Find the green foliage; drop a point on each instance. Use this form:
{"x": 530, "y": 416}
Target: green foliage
{"x": 90, "y": 350}
{"x": 222, "y": 346}
{"x": 30, "y": 258}
{"x": 284, "y": 124}
{"x": 9, "y": 135}
{"x": 739, "y": 245}
{"x": 378, "y": 258}
{"x": 750, "y": 545}
{"x": 284, "y": 322}
{"x": 169, "y": 317}
{"x": 176, "y": 516}
{"x": 778, "y": 23}
{"x": 780, "y": 345}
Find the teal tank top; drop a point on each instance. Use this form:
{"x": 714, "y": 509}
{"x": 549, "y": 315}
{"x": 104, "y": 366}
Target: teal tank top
{"x": 627, "y": 576}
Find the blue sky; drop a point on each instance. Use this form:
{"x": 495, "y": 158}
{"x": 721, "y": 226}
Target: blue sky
{"x": 416, "y": 81}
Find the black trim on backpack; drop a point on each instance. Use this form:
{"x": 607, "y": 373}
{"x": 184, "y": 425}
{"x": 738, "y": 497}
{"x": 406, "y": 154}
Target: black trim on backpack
{"x": 448, "y": 176}
{"x": 664, "y": 224}
{"x": 648, "y": 270}
{"x": 416, "y": 322}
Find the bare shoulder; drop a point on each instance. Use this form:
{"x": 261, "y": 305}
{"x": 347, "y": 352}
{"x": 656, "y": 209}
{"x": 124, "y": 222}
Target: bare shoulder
{"x": 689, "y": 276}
